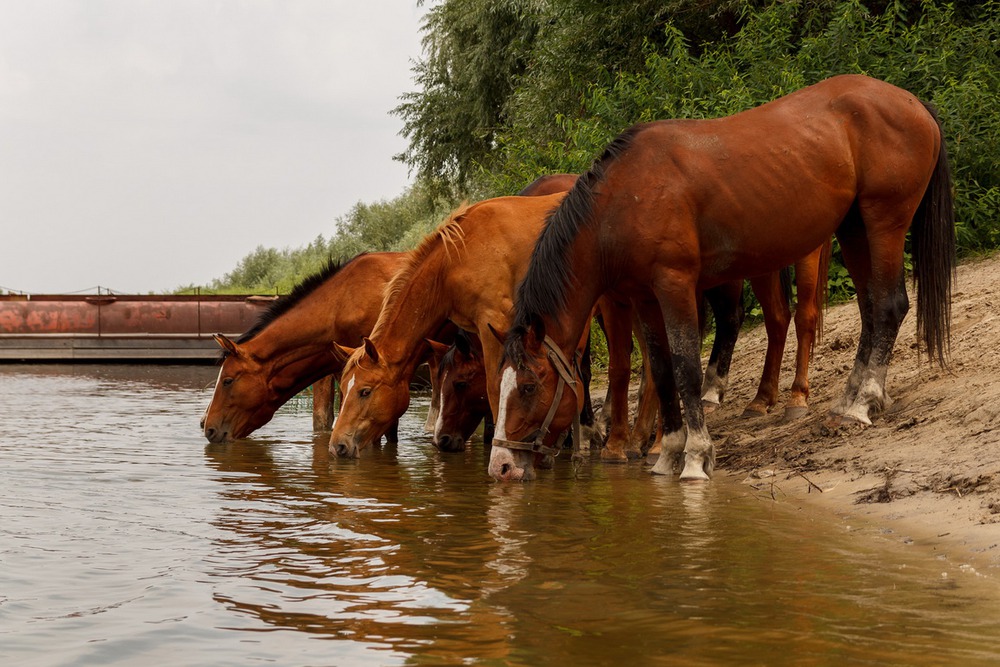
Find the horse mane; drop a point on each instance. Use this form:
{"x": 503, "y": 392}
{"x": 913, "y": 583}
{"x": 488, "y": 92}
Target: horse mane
{"x": 448, "y": 359}
{"x": 285, "y": 303}
{"x": 449, "y": 232}
{"x": 549, "y": 275}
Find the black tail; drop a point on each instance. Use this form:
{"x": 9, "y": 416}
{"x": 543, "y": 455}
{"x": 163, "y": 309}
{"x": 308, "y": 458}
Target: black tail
{"x": 933, "y": 244}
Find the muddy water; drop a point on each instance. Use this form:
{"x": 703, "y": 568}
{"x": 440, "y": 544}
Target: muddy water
{"x": 126, "y": 539}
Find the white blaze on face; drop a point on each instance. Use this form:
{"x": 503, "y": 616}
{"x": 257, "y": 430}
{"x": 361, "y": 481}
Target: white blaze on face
{"x": 508, "y": 383}
{"x": 347, "y": 392}
{"x": 439, "y": 422}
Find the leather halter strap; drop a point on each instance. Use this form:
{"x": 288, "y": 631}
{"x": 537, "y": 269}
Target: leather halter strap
{"x": 564, "y": 370}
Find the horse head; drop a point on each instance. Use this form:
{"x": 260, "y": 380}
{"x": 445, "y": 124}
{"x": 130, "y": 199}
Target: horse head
{"x": 373, "y": 397}
{"x": 462, "y": 383}
{"x": 243, "y": 400}
{"x": 535, "y": 408}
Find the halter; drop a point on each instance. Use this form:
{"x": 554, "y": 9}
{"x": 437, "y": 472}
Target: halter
{"x": 565, "y": 371}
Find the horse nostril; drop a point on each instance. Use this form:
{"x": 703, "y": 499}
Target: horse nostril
{"x": 342, "y": 450}
{"x": 506, "y": 469}
{"x": 210, "y": 433}
{"x": 444, "y": 443}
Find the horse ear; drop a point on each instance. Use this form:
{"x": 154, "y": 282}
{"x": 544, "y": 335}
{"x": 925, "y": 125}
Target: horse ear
{"x": 340, "y": 353}
{"x": 502, "y": 337}
{"x": 536, "y": 331}
{"x": 437, "y": 349}
{"x": 463, "y": 344}
{"x": 228, "y": 345}
{"x": 370, "y": 349}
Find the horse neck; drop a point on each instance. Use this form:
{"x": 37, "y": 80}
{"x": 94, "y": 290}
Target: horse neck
{"x": 567, "y": 326}
{"x": 297, "y": 343}
{"x": 415, "y": 308}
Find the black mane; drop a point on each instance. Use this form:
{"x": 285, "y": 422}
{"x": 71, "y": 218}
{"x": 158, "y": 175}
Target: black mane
{"x": 549, "y": 275}
{"x": 285, "y": 303}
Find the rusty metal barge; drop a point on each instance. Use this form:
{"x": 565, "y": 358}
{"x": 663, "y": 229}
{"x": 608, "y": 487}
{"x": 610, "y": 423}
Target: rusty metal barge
{"x": 121, "y": 328}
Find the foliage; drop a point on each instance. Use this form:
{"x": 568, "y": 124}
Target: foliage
{"x": 393, "y": 225}
{"x": 512, "y": 89}
{"x": 938, "y": 54}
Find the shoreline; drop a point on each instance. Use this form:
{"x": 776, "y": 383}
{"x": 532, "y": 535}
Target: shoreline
{"x": 927, "y": 472}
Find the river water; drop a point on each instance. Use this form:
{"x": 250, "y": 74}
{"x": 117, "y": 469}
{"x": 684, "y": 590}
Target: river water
{"x": 126, "y": 539}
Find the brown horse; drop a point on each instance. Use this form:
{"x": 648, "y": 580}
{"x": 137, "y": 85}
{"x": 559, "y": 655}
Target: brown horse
{"x": 676, "y": 207}
{"x": 464, "y": 401}
{"x": 289, "y": 347}
{"x": 444, "y": 278}
{"x": 771, "y": 293}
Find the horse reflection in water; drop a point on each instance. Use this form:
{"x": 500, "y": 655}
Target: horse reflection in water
{"x": 676, "y": 207}
{"x": 324, "y": 547}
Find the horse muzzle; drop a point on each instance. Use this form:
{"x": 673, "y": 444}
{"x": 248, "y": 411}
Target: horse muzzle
{"x": 507, "y": 465}
{"x": 450, "y": 443}
{"x": 345, "y": 450}
{"x": 217, "y": 435}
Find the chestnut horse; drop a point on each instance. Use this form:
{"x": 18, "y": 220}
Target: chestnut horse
{"x": 464, "y": 402}
{"x": 675, "y": 207}
{"x": 289, "y": 347}
{"x": 771, "y": 293}
{"x": 444, "y": 278}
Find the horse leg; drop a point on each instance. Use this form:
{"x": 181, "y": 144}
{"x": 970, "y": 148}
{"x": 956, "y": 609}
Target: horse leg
{"x": 323, "y": 393}
{"x": 618, "y": 329}
{"x": 888, "y": 305}
{"x": 489, "y": 428}
{"x": 677, "y": 296}
{"x": 727, "y": 305}
{"x": 646, "y": 413}
{"x": 808, "y": 299}
{"x": 667, "y": 452}
{"x": 392, "y": 434}
{"x": 587, "y": 413}
{"x": 773, "y": 301}
{"x": 857, "y": 259}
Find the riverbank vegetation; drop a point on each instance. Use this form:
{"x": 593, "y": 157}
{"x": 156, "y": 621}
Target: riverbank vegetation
{"x": 508, "y": 91}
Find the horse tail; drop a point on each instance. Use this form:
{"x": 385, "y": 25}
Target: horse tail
{"x": 822, "y": 287}
{"x": 934, "y": 263}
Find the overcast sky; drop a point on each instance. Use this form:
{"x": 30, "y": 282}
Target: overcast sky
{"x": 146, "y": 145}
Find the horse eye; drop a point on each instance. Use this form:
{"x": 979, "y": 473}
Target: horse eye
{"x": 365, "y": 393}
{"x": 226, "y": 382}
{"x": 527, "y": 389}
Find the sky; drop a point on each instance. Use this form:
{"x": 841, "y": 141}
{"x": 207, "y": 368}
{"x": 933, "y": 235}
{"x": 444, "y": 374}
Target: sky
{"x": 146, "y": 145}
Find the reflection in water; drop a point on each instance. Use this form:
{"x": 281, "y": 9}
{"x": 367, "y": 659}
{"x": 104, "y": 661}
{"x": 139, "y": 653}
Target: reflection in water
{"x": 125, "y": 539}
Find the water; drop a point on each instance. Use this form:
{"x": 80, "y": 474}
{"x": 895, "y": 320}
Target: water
{"x": 125, "y": 539}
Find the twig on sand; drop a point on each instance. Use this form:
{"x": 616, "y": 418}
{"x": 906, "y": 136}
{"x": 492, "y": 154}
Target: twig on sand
{"x": 812, "y": 484}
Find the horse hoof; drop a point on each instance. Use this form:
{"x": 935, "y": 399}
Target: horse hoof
{"x": 708, "y": 407}
{"x": 752, "y": 413}
{"x": 651, "y": 459}
{"x": 795, "y": 412}
{"x": 608, "y": 456}
{"x": 633, "y": 454}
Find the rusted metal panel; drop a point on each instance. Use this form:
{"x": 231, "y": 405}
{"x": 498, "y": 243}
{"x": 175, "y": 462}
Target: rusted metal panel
{"x": 125, "y": 327}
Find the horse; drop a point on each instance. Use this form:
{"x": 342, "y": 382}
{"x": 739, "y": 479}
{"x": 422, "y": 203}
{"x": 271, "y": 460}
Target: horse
{"x": 461, "y": 378}
{"x": 443, "y": 279}
{"x": 675, "y": 207}
{"x": 772, "y": 293}
{"x": 288, "y": 348}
